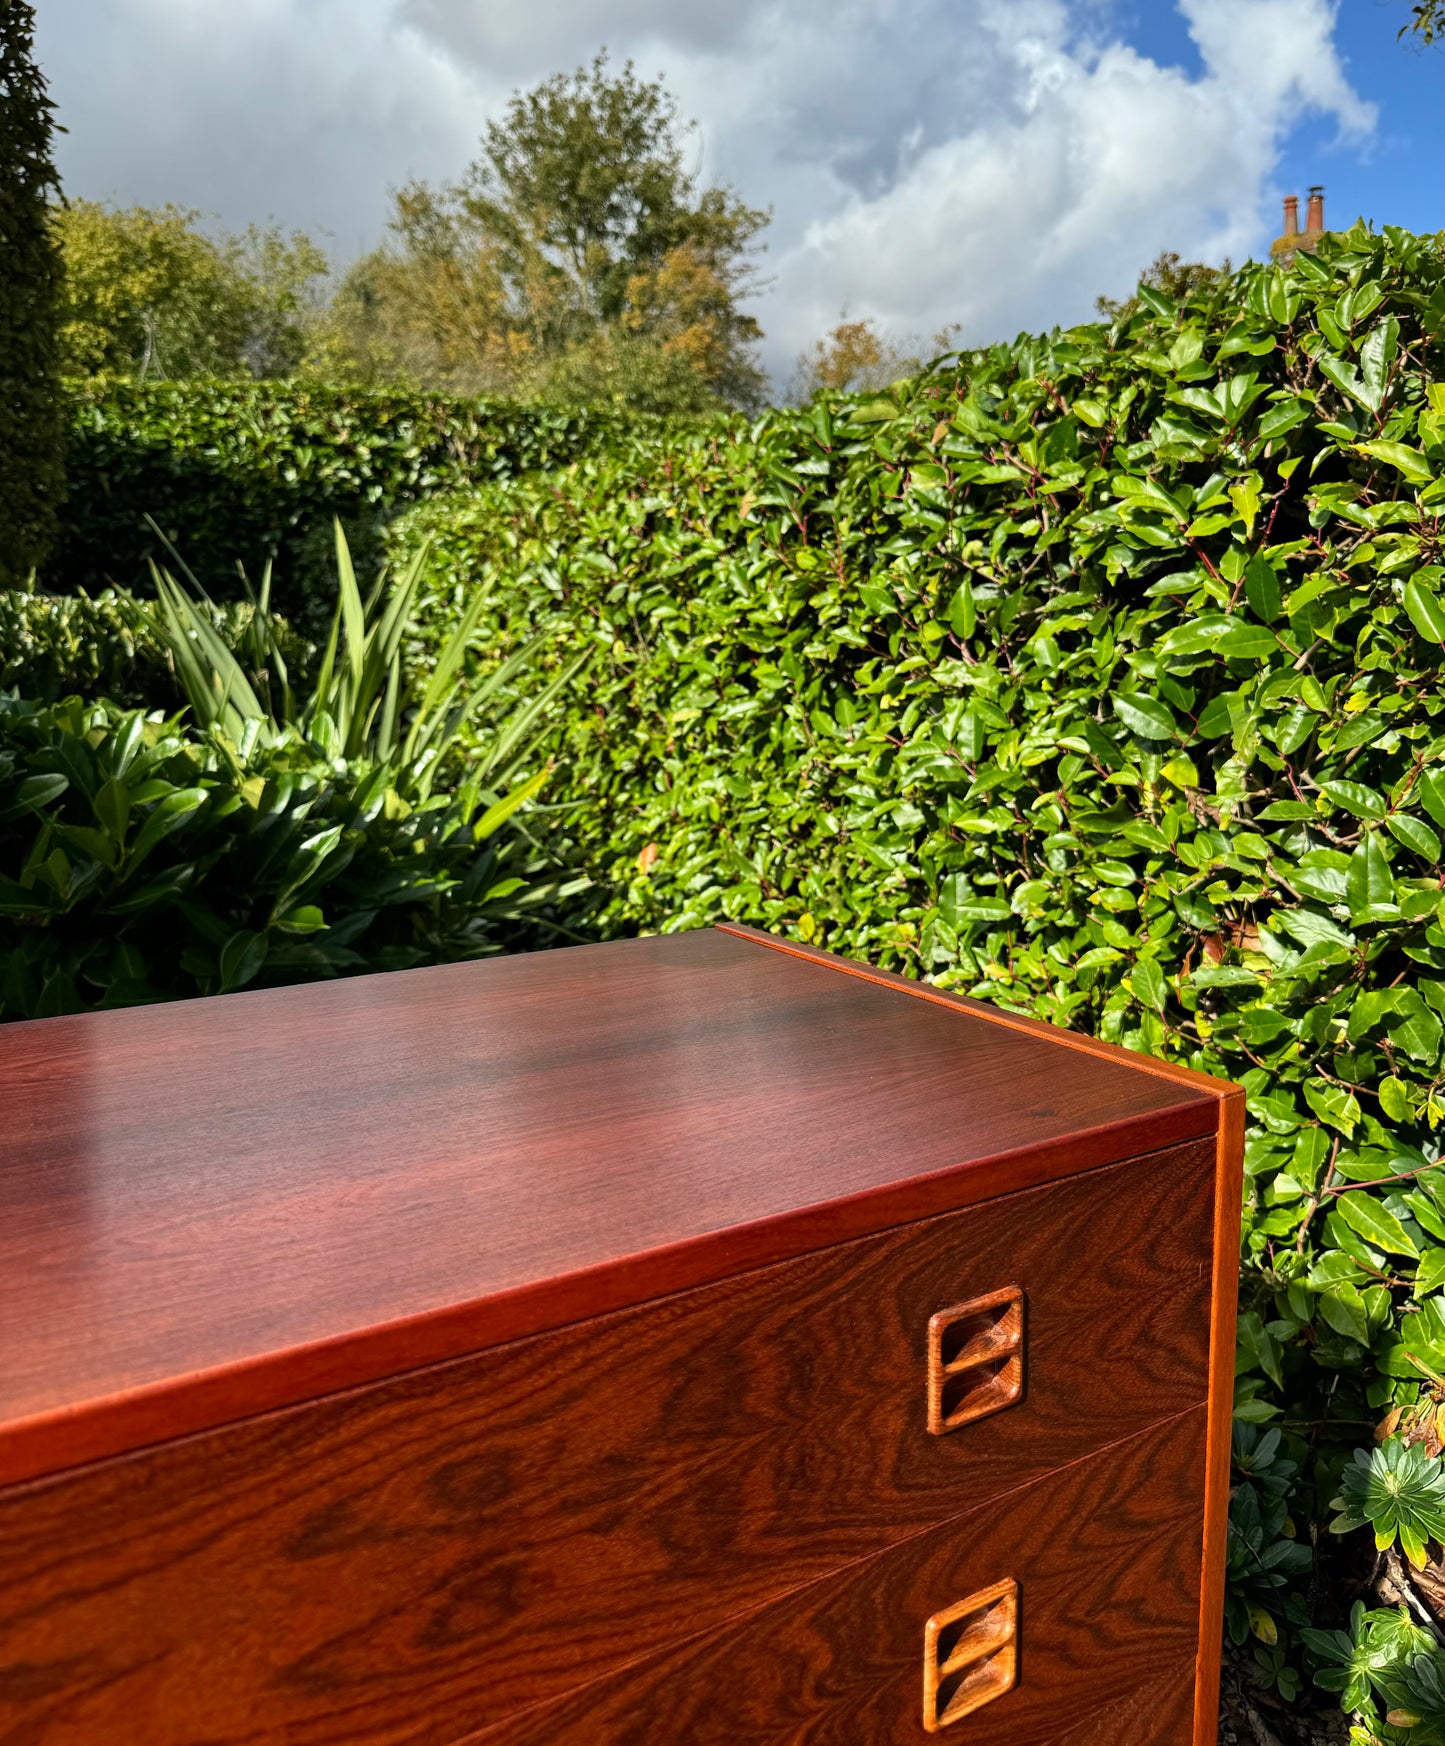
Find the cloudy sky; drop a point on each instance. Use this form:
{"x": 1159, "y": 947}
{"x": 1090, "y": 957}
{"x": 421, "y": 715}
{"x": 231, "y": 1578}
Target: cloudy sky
{"x": 991, "y": 163}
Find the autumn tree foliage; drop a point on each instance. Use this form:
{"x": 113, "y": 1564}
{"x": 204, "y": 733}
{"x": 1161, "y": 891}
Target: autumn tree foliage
{"x": 148, "y": 293}
{"x": 856, "y": 355}
{"x": 577, "y": 258}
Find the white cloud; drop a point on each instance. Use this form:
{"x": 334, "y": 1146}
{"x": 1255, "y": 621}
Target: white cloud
{"x": 302, "y": 110}
{"x": 991, "y": 162}
{"x": 522, "y": 41}
{"x": 1107, "y": 159}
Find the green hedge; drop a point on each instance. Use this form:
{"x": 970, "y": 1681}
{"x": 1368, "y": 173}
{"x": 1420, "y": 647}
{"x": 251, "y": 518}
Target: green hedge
{"x": 1099, "y": 675}
{"x": 234, "y": 471}
{"x": 51, "y": 646}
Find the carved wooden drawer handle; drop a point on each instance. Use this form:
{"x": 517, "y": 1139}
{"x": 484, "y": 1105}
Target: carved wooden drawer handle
{"x": 970, "y": 1654}
{"x": 975, "y": 1359}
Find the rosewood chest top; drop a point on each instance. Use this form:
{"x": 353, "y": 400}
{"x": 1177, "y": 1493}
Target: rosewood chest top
{"x": 540, "y": 1348}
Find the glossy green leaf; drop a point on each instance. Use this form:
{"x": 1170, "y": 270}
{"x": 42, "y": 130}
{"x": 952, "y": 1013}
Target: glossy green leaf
{"x": 1415, "y": 834}
{"x": 1261, "y": 587}
{"x": 1378, "y": 1226}
{"x": 306, "y": 918}
{"x": 1418, "y": 1032}
{"x": 1355, "y": 797}
{"x": 1395, "y": 1102}
{"x": 1432, "y": 795}
{"x": 962, "y": 613}
{"x": 1409, "y": 461}
{"x": 1369, "y": 881}
{"x": 242, "y": 958}
{"x": 1425, "y": 610}
{"x": 1145, "y": 715}
{"x": 1344, "y": 1310}
{"x": 1148, "y": 983}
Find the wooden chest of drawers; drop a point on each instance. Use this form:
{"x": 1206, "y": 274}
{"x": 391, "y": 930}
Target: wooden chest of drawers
{"x": 692, "y": 1339}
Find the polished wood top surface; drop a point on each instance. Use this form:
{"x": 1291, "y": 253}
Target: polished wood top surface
{"x": 216, "y": 1207}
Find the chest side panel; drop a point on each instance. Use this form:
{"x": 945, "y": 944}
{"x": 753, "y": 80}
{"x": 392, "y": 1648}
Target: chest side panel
{"x": 438, "y": 1551}
{"x": 1105, "y": 1556}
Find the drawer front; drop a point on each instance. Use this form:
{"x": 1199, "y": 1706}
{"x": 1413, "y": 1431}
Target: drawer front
{"x": 422, "y": 1557}
{"x": 1104, "y": 1561}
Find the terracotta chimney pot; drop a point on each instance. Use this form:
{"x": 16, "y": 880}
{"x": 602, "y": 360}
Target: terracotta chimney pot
{"x": 1291, "y": 215}
{"x": 1315, "y": 216}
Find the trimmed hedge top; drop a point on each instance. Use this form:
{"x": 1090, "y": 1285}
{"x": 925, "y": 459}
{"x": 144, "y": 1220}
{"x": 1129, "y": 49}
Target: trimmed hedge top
{"x": 236, "y": 471}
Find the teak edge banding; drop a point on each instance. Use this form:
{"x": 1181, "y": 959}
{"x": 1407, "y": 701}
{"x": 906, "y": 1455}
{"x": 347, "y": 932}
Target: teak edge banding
{"x": 1228, "y": 1211}
{"x": 1229, "y": 1187}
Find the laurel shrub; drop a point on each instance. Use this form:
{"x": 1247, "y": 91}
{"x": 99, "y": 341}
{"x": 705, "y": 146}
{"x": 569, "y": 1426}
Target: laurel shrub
{"x": 1098, "y": 675}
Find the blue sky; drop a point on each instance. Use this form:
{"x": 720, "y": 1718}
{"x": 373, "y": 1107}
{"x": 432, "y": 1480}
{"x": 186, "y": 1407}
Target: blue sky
{"x": 1397, "y": 176}
{"x": 993, "y": 164}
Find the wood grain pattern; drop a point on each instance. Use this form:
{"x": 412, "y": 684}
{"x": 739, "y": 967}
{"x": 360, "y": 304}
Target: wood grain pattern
{"x": 1107, "y": 1557}
{"x": 1230, "y": 1181}
{"x": 217, "y": 1207}
{"x": 407, "y": 1561}
{"x": 1228, "y": 1210}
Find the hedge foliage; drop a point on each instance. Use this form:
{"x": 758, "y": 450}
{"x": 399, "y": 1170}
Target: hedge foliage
{"x": 238, "y": 471}
{"x": 61, "y": 645}
{"x": 1099, "y": 675}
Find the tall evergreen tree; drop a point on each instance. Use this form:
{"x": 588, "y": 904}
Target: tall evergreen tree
{"x": 31, "y": 432}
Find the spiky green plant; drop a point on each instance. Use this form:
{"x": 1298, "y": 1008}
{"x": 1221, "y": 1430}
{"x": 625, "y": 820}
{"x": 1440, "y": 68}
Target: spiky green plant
{"x": 363, "y": 704}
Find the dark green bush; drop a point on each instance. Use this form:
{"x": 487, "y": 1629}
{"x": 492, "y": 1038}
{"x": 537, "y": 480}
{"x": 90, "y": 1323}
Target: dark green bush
{"x": 31, "y": 475}
{"x": 1099, "y": 675}
{"x": 238, "y": 471}
{"x": 51, "y": 646}
{"x": 139, "y": 862}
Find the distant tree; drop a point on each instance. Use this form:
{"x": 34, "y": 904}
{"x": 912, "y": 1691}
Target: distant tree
{"x": 577, "y": 257}
{"x": 1169, "y": 273}
{"x": 284, "y": 278}
{"x": 854, "y": 355}
{"x": 31, "y": 454}
{"x": 431, "y": 306}
{"x": 1427, "y": 21}
{"x": 147, "y": 293}
{"x": 677, "y": 345}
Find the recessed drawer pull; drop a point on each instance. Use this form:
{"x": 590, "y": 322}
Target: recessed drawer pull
{"x": 970, "y": 1654}
{"x": 975, "y": 1359}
